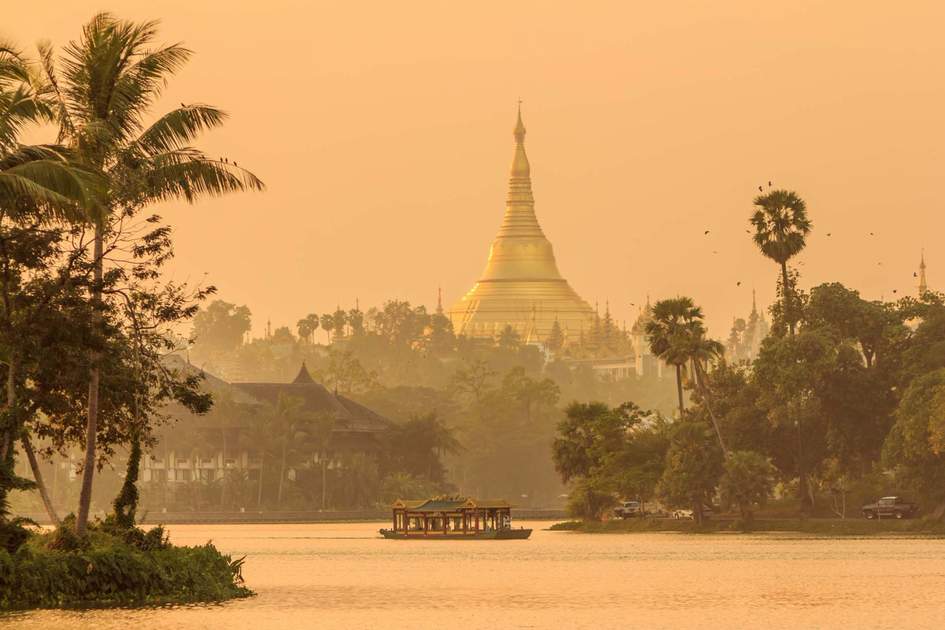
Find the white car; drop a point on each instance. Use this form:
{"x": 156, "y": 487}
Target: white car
{"x": 687, "y": 513}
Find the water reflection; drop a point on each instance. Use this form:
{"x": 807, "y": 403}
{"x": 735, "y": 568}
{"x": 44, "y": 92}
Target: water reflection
{"x": 344, "y": 576}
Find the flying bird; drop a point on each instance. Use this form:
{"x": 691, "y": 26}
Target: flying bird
{"x": 706, "y": 232}
{"x": 871, "y": 234}
{"x": 915, "y": 275}
{"x": 769, "y": 183}
{"x": 894, "y": 291}
{"x": 234, "y": 163}
{"x": 738, "y": 284}
{"x": 760, "y": 189}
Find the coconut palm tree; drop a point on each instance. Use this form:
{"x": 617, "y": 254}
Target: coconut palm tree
{"x": 781, "y": 229}
{"x": 38, "y": 185}
{"x": 105, "y": 86}
{"x": 670, "y": 331}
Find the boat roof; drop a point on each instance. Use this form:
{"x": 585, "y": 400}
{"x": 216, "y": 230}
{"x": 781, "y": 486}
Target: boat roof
{"x": 448, "y": 504}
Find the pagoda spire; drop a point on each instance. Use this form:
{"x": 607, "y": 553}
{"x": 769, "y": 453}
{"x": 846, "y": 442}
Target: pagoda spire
{"x": 520, "y": 219}
{"x": 521, "y": 267}
{"x": 923, "y": 284}
{"x": 439, "y": 300}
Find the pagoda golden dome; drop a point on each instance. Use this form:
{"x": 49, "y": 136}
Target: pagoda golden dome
{"x": 521, "y": 285}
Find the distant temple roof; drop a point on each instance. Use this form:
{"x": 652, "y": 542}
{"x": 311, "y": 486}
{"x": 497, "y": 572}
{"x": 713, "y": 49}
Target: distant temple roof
{"x": 303, "y": 378}
{"x": 316, "y": 398}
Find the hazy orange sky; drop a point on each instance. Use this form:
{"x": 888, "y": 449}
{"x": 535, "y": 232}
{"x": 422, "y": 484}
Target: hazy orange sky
{"x": 383, "y": 131}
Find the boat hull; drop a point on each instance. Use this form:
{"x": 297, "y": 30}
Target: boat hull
{"x": 499, "y": 534}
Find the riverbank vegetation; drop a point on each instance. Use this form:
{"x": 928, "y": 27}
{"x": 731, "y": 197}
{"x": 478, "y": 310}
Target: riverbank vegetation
{"x": 823, "y": 527}
{"x": 86, "y": 317}
{"x": 842, "y": 404}
{"x": 114, "y": 565}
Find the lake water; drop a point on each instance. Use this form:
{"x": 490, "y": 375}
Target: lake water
{"x": 344, "y": 576}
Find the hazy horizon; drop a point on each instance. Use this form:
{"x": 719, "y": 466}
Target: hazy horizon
{"x": 385, "y": 134}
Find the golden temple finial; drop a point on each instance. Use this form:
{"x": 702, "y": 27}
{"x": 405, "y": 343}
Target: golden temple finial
{"x": 923, "y": 283}
{"x": 519, "y": 132}
{"x": 520, "y": 167}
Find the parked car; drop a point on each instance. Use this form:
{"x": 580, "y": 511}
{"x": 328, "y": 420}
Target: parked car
{"x": 890, "y": 507}
{"x": 629, "y": 509}
{"x": 687, "y": 512}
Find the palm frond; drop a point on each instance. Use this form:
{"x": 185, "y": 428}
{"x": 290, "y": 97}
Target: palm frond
{"x": 188, "y": 174}
{"x": 177, "y": 128}
{"x": 52, "y": 186}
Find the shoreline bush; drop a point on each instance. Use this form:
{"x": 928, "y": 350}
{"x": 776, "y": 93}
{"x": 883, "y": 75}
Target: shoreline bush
{"x": 114, "y": 566}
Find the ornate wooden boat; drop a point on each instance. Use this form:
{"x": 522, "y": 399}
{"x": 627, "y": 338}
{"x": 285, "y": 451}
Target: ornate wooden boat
{"x": 453, "y": 518}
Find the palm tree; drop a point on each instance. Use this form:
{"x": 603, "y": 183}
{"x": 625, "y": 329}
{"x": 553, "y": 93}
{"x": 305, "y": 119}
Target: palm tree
{"x": 781, "y": 228}
{"x": 702, "y": 351}
{"x": 328, "y": 324}
{"x": 36, "y": 184}
{"x": 670, "y": 332}
{"x": 106, "y": 84}
{"x": 307, "y": 327}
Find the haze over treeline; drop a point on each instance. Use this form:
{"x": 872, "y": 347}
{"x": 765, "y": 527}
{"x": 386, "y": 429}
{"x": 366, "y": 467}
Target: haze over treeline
{"x": 648, "y": 124}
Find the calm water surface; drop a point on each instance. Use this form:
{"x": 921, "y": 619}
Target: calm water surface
{"x": 344, "y": 576}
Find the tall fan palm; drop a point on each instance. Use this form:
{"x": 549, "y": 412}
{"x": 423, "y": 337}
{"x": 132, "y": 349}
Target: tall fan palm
{"x": 670, "y": 332}
{"x": 781, "y": 229}
{"x": 106, "y": 84}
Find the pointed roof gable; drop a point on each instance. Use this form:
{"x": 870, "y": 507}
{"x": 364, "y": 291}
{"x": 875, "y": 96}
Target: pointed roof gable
{"x": 304, "y": 378}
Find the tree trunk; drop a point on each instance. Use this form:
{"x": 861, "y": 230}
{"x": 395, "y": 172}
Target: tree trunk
{"x": 803, "y": 484}
{"x": 324, "y": 482}
{"x": 786, "y": 290}
{"x": 748, "y": 516}
{"x": 126, "y": 503}
{"x": 281, "y": 474}
{"x": 91, "y": 423}
{"x": 38, "y": 477}
{"x": 262, "y": 460}
{"x": 700, "y": 381}
{"x": 223, "y": 479}
{"x": 682, "y": 407}
{"x": 697, "y": 514}
{"x": 9, "y": 432}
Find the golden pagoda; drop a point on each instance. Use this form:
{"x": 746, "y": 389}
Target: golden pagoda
{"x": 521, "y": 285}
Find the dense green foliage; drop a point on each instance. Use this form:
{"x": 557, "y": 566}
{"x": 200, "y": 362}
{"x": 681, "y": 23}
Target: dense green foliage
{"x": 842, "y": 403}
{"x": 747, "y": 481}
{"x": 111, "y": 568}
{"x": 608, "y": 453}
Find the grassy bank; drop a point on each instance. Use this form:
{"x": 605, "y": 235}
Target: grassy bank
{"x": 814, "y": 526}
{"x": 114, "y": 568}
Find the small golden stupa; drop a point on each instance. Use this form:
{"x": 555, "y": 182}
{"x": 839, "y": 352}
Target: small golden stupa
{"x": 521, "y": 285}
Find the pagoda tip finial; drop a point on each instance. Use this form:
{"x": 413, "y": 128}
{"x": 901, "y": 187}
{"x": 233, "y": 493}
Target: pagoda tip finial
{"x": 519, "y": 125}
